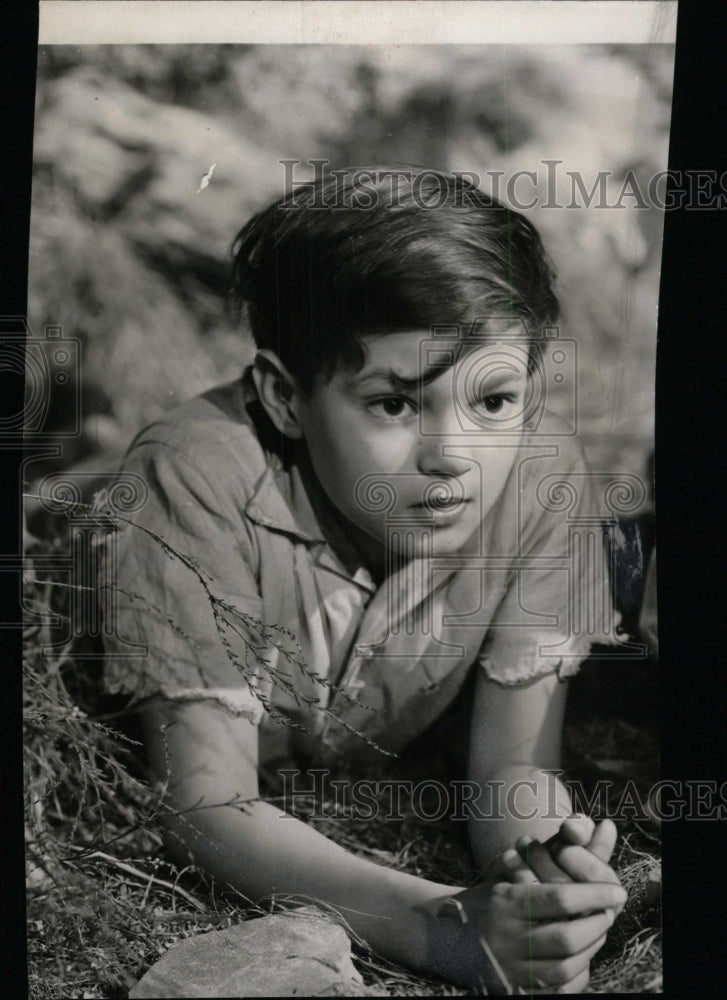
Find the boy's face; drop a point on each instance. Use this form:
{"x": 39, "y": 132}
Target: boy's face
{"x": 421, "y": 430}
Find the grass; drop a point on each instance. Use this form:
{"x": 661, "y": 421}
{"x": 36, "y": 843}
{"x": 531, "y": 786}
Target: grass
{"x": 104, "y": 903}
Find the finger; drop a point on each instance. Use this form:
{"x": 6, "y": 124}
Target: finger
{"x": 542, "y": 973}
{"x": 567, "y": 937}
{"x": 603, "y": 840}
{"x": 515, "y": 867}
{"x": 578, "y": 984}
{"x": 581, "y": 865}
{"x": 553, "y": 901}
{"x": 577, "y": 829}
{"x": 538, "y": 858}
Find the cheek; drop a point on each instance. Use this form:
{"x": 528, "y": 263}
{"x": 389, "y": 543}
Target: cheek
{"x": 341, "y": 454}
{"x": 496, "y": 471}
{"x": 351, "y": 447}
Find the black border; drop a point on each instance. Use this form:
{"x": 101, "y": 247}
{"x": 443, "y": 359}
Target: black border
{"x": 18, "y": 47}
{"x": 690, "y": 506}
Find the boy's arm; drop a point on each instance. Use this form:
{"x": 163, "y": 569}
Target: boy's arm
{"x": 522, "y": 791}
{"x": 514, "y": 754}
{"x": 205, "y": 757}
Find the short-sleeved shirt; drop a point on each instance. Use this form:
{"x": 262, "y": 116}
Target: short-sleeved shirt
{"x": 239, "y": 584}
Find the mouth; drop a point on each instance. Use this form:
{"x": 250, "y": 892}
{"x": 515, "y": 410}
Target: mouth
{"x": 441, "y": 510}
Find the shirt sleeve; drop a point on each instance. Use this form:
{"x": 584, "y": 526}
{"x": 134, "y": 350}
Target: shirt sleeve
{"x": 185, "y": 611}
{"x": 557, "y": 599}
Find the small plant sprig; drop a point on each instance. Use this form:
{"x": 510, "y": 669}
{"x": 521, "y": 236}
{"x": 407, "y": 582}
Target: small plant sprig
{"x": 257, "y": 637}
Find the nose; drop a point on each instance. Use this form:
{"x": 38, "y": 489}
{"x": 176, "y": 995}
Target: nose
{"x": 435, "y": 459}
{"x": 442, "y": 449}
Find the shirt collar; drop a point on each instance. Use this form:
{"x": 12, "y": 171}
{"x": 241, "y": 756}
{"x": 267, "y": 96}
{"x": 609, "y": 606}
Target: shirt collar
{"x": 294, "y": 516}
{"x": 280, "y": 503}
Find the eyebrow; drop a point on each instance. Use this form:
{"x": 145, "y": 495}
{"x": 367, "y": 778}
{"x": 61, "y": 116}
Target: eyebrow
{"x": 406, "y": 383}
{"x": 402, "y": 382}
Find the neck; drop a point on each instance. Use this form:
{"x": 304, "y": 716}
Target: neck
{"x": 353, "y": 546}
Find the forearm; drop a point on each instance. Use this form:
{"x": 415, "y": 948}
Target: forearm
{"x": 517, "y": 800}
{"x": 262, "y": 852}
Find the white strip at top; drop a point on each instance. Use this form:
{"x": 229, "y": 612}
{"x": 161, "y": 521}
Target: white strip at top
{"x": 356, "y": 22}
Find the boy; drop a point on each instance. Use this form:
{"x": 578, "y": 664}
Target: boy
{"x": 365, "y": 521}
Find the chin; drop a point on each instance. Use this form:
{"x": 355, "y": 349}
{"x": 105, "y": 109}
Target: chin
{"x": 447, "y": 545}
{"x": 443, "y": 543}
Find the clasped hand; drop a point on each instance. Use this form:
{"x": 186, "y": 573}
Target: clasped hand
{"x": 545, "y": 924}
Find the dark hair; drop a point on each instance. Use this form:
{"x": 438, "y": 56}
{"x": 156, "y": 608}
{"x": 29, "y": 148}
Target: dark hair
{"x": 383, "y": 250}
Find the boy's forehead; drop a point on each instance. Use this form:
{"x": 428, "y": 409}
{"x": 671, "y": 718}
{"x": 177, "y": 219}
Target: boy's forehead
{"x": 421, "y": 356}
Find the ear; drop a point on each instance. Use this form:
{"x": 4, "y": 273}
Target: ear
{"x": 278, "y": 391}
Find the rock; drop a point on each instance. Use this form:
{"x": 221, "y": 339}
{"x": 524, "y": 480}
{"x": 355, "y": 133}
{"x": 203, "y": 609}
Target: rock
{"x": 291, "y": 954}
{"x": 141, "y": 351}
{"x": 139, "y": 162}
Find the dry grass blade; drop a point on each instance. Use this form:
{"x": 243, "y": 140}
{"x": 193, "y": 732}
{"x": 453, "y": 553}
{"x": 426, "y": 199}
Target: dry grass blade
{"x": 146, "y": 878}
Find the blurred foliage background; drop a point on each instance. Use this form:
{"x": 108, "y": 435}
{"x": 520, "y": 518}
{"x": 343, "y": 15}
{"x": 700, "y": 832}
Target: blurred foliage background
{"x": 127, "y": 257}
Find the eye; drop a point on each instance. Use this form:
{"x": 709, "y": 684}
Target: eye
{"x": 391, "y": 407}
{"x": 496, "y": 401}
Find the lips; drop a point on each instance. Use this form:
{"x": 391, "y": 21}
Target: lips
{"x": 439, "y": 509}
{"x": 435, "y": 505}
